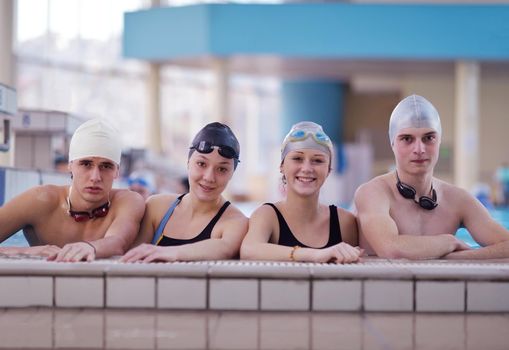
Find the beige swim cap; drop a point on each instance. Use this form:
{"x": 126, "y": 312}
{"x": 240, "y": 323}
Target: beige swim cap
{"x": 306, "y": 134}
{"x": 96, "y": 138}
{"x": 414, "y": 111}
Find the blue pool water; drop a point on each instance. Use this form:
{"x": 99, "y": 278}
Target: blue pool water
{"x": 499, "y": 214}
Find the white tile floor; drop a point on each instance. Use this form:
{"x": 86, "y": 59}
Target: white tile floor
{"x": 35, "y": 328}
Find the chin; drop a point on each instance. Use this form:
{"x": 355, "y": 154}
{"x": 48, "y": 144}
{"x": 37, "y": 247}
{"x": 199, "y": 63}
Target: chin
{"x": 207, "y": 196}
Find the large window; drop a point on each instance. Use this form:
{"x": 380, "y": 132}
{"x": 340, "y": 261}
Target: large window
{"x": 69, "y": 59}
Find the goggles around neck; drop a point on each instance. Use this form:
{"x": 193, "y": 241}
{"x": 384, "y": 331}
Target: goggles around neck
{"x": 318, "y": 136}
{"x": 408, "y": 192}
{"x": 223, "y": 150}
{"x": 81, "y": 216}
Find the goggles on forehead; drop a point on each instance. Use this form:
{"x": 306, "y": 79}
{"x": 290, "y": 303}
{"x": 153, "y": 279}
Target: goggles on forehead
{"x": 319, "y": 136}
{"x": 81, "y": 216}
{"x": 223, "y": 150}
{"x": 408, "y": 192}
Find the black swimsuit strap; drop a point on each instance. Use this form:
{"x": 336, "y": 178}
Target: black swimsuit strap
{"x": 216, "y": 218}
{"x": 334, "y": 227}
{"x": 283, "y": 226}
{"x": 286, "y": 236}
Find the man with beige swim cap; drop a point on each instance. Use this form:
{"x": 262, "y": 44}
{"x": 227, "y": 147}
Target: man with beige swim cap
{"x": 408, "y": 213}
{"x": 85, "y": 220}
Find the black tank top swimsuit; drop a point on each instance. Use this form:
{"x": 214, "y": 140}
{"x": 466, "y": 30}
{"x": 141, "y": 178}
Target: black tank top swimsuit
{"x": 205, "y": 234}
{"x": 287, "y": 238}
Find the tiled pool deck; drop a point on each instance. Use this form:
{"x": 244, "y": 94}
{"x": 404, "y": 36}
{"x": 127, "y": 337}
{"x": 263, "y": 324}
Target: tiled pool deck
{"x": 375, "y": 285}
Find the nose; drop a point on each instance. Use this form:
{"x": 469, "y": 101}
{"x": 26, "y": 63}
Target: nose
{"x": 306, "y": 165}
{"x": 419, "y": 147}
{"x": 95, "y": 174}
{"x": 208, "y": 174}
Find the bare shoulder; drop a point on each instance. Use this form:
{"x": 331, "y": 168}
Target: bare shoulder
{"x": 449, "y": 189}
{"x": 124, "y": 196}
{"x": 233, "y": 212}
{"x": 233, "y": 218}
{"x": 162, "y": 199}
{"x": 45, "y": 195}
{"x": 377, "y": 187}
{"x": 348, "y": 226}
{"x": 264, "y": 212}
{"x": 453, "y": 195}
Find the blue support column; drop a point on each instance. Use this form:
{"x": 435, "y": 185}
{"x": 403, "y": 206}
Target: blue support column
{"x": 319, "y": 101}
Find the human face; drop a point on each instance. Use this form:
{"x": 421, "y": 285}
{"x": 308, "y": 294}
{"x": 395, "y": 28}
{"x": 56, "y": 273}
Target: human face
{"x": 93, "y": 178}
{"x": 209, "y": 173}
{"x": 305, "y": 170}
{"x": 416, "y": 150}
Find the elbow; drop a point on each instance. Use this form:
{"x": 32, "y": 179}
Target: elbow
{"x": 390, "y": 252}
{"x": 247, "y": 252}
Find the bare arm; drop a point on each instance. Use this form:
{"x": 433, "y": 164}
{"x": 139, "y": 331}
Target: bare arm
{"x": 129, "y": 209}
{"x": 224, "y": 247}
{"x": 256, "y": 244}
{"x": 22, "y": 211}
{"x": 125, "y": 226}
{"x": 348, "y": 225}
{"x": 381, "y": 232}
{"x": 493, "y": 238}
{"x": 155, "y": 208}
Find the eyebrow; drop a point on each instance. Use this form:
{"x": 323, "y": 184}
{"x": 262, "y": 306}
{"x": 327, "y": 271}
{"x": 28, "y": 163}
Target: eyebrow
{"x": 207, "y": 159}
{"x": 313, "y": 155}
{"x": 107, "y": 163}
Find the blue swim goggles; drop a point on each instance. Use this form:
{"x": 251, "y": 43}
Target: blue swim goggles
{"x": 318, "y": 136}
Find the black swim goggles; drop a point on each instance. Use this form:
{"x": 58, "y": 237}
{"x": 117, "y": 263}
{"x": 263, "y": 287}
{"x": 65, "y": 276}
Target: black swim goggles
{"x": 408, "y": 192}
{"x": 223, "y": 150}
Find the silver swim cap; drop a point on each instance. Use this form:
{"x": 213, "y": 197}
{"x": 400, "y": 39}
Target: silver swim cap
{"x": 95, "y": 138}
{"x": 413, "y": 111}
{"x": 306, "y": 135}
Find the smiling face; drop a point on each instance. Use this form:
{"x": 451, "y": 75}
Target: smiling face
{"x": 209, "y": 173}
{"x": 416, "y": 150}
{"x": 93, "y": 178}
{"x": 305, "y": 170}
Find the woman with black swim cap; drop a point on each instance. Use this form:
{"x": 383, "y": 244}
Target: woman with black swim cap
{"x": 201, "y": 224}
{"x": 300, "y": 228}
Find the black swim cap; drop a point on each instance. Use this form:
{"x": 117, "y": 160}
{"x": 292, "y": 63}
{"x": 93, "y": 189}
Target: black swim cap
{"x": 219, "y": 135}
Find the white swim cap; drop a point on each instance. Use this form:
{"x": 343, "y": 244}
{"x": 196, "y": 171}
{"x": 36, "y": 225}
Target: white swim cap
{"x": 413, "y": 112}
{"x": 95, "y": 138}
{"x": 306, "y": 135}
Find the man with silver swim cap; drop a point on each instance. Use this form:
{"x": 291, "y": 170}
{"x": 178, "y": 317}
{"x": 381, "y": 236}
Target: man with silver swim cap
{"x": 306, "y": 135}
{"x": 409, "y": 213}
{"x": 82, "y": 221}
{"x": 414, "y": 112}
